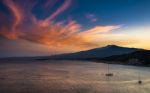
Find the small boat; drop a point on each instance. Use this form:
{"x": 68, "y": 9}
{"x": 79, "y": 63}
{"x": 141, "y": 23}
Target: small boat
{"x": 140, "y": 82}
{"x": 108, "y": 73}
{"x": 139, "y": 78}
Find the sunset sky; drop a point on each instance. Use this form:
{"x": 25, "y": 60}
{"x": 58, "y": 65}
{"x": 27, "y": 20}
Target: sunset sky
{"x": 46, "y": 27}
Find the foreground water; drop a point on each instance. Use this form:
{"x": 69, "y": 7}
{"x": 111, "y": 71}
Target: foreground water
{"x": 31, "y": 76}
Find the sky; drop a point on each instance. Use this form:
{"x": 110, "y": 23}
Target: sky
{"x": 48, "y": 27}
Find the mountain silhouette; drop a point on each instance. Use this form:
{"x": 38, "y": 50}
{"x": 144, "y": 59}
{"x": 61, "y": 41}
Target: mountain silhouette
{"x": 141, "y": 57}
{"x": 102, "y": 52}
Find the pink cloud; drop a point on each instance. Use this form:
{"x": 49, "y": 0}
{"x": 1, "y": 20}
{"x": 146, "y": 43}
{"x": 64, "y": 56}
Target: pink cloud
{"x": 67, "y": 35}
{"x": 92, "y": 17}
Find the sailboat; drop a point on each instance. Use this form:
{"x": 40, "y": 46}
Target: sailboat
{"x": 139, "y": 78}
{"x": 108, "y": 73}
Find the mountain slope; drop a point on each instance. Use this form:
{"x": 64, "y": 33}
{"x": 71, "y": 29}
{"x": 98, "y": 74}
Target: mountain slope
{"x": 96, "y": 53}
{"x": 135, "y": 58}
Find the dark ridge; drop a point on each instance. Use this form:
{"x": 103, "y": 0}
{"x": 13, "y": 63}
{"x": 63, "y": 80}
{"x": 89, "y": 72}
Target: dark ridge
{"x": 141, "y": 57}
{"x": 96, "y": 53}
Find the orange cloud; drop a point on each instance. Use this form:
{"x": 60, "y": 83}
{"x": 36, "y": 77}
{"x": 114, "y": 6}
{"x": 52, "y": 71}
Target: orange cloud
{"x": 57, "y": 34}
{"x": 100, "y": 30}
{"x": 15, "y": 11}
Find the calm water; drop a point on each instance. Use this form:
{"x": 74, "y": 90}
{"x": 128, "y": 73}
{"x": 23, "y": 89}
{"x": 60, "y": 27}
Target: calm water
{"x": 32, "y": 76}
